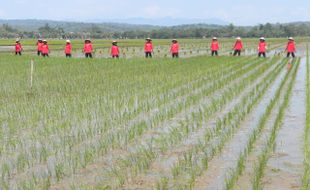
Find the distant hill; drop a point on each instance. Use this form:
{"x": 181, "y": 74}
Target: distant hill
{"x": 169, "y": 28}
{"x": 167, "y": 21}
{"x": 112, "y": 25}
{"x": 34, "y": 25}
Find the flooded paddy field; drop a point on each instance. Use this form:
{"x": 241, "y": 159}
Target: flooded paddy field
{"x": 197, "y": 122}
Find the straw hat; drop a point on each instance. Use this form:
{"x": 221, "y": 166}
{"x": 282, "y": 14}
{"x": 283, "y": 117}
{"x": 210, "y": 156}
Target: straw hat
{"x": 238, "y": 38}
{"x": 262, "y": 38}
{"x": 290, "y": 38}
{"x": 68, "y": 41}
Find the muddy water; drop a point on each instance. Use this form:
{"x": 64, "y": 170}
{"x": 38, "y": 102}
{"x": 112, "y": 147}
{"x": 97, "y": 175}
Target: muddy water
{"x": 285, "y": 167}
{"x": 220, "y": 166}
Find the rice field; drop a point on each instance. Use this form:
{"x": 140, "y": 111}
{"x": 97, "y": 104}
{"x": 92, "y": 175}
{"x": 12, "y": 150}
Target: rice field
{"x": 197, "y": 122}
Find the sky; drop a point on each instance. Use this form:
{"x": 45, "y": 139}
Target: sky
{"x": 238, "y": 12}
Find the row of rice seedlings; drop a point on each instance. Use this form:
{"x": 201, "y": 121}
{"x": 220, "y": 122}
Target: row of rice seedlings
{"x": 205, "y": 150}
{"x": 134, "y": 134}
{"x": 226, "y": 96}
{"x": 193, "y": 121}
{"x": 237, "y": 171}
{"x": 263, "y": 158}
{"x": 306, "y": 175}
{"x": 88, "y": 159}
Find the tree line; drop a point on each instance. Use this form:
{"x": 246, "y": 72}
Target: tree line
{"x": 184, "y": 31}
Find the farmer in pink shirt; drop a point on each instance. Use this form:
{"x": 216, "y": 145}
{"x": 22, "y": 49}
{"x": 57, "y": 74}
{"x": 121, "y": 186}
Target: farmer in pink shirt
{"x": 114, "y": 50}
{"x": 45, "y": 49}
{"x": 174, "y": 49}
{"x": 290, "y": 47}
{"x": 214, "y": 46}
{"x": 18, "y": 47}
{"x": 39, "y": 47}
{"x": 68, "y": 49}
{"x": 262, "y": 47}
{"x": 88, "y": 49}
{"x": 238, "y": 46}
{"x": 148, "y": 48}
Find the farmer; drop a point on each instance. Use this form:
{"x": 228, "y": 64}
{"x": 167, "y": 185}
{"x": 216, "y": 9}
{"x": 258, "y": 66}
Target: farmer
{"x": 174, "y": 49}
{"x": 114, "y": 50}
{"x": 291, "y": 47}
{"x": 45, "y": 49}
{"x": 68, "y": 49}
{"x": 88, "y": 49}
{"x": 18, "y": 47}
{"x": 148, "y": 48}
{"x": 214, "y": 46}
{"x": 39, "y": 46}
{"x": 262, "y": 47}
{"x": 238, "y": 46}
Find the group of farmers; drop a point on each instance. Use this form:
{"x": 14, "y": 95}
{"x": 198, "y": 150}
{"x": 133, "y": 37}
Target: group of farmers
{"x": 43, "y": 49}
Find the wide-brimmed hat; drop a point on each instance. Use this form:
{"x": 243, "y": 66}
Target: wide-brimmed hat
{"x": 114, "y": 42}
{"x": 39, "y": 39}
{"x": 87, "y": 40}
{"x": 68, "y": 41}
{"x": 238, "y": 38}
{"x": 148, "y": 39}
{"x": 262, "y": 38}
{"x": 214, "y": 38}
{"x": 290, "y": 38}
{"x": 44, "y": 40}
{"x": 17, "y": 40}
{"x": 174, "y": 40}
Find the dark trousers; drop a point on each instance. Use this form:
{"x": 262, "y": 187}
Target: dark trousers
{"x": 18, "y": 53}
{"x": 290, "y": 53}
{"x": 68, "y": 55}
{"x": 214, "y": 53}
{"x": 88, "y": 55}
{"x": 115, "y": 56}
{"x": 45, "y": 55}
{"x": 175, "y": 55}
{"x": 148, "y": 54}
{"x": 237, "y": 52}
{"x": 261, "y": 54}
{"x": 39, "y": 53}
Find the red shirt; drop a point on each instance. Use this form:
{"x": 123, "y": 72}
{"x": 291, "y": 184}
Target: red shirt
{"x": 39, "y": 44}
{"x": 45, "y": 49}
{"x": 18, "y": 47}
{"x": 291, "y": 47}
{"x": 148, "y": 47}
{"x": 114, "y": 50}
{"x": 215, "y": 46}
{"x": 88, "y": 48}
{"x": 68, "y": 49}
{"x": 175, "y": 48}
{"x": 262, "y": 47}
{"x": 238, "y": 45}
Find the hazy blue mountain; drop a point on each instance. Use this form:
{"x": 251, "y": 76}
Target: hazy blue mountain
{"x": 167, "y": 21}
